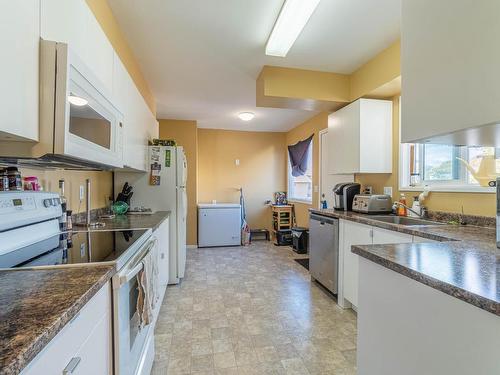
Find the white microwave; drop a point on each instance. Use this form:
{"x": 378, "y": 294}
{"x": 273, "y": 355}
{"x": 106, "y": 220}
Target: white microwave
{"x": 78, "y": 124}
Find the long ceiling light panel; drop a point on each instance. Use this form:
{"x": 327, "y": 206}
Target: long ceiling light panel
{"x": 292, "y": 19}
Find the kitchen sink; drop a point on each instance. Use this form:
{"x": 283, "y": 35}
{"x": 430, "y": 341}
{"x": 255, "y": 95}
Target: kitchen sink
{"x": 403, "y": 220}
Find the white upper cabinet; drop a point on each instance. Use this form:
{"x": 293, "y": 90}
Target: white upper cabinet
{"x": 360, "y": 138}
{"x": 19, "y": 36}
{"x": 72, "y": 22}
{"x": 450, "y": 71}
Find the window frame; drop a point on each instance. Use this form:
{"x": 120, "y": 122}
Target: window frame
{"x": 456, "y": 185}
{"x": 289, "y": 176}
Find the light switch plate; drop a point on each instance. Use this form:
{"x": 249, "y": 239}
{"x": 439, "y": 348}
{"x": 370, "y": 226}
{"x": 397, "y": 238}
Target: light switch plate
{"x": 388, "y": 190}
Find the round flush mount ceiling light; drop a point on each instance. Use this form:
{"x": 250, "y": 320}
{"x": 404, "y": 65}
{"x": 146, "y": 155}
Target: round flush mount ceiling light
{"x": 246, "y": 116}
{"x": 76, "y": 100}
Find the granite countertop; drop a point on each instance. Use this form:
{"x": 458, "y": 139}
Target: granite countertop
{"x": 465, "y": 264}
{"x": 136, "y": 221}
{"x": 36, "y": 304}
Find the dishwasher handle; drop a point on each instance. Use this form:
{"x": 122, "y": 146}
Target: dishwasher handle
{"x": 323, "y": 219}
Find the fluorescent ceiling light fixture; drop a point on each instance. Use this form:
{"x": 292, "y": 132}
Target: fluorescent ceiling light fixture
{"x": 292, "y": 19}
{"x": 246, "y": 116}
{"x": 76, "y": 100}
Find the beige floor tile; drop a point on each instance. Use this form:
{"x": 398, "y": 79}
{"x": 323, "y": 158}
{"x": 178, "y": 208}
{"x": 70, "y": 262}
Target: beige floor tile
{"x": 253, "y": 310}
{"x": 224, "y": 360}
{"x": 202, "y": 362}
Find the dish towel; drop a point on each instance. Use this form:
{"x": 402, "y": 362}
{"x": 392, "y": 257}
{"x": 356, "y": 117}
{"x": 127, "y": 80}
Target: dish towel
{"x": 147, "y": 280}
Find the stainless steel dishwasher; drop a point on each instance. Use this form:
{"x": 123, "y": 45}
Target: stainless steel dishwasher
{"x": 324, "y": 251}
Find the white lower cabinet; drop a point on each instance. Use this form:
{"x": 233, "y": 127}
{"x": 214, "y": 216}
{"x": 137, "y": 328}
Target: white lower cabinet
{"x": 354, "y": 234}
{"x": 361, "y": 234}
{"x": 162, "y": 234}
{"x": 83, "y": 346}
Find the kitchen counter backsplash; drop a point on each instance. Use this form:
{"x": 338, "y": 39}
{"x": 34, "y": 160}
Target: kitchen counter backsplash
{"x": 446, "y": 217}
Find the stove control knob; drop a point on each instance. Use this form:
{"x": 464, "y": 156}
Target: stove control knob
{"x": 47, "y": 202}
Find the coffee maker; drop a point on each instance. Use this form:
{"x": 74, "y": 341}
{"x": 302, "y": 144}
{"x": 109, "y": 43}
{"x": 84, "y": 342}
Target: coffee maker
{"x": 343, "y": 195}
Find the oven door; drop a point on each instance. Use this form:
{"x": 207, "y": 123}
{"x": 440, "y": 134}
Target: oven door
{"x": 129, "y": 337}
{"x": 86, "y": 123}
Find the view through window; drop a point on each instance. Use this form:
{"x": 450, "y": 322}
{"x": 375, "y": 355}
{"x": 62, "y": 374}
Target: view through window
{"x": 300, "y": 187}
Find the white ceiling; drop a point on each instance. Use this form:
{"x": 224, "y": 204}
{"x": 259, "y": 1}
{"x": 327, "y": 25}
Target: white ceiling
{"x": 202, "y": 57}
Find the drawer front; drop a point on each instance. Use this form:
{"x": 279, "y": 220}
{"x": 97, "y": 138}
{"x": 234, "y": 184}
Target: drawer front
{"x": 54, "y": 358}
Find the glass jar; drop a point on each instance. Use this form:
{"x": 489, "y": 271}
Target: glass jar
{"x": 15, "y": 180}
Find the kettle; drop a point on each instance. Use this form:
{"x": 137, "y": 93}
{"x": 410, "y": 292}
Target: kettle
{"x": 486, "y": 172}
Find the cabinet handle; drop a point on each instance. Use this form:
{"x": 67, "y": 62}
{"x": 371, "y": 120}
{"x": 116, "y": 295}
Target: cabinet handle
{"x": 72, "y": 365}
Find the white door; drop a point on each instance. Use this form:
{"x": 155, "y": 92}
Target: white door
{"x": 327, "y": 180}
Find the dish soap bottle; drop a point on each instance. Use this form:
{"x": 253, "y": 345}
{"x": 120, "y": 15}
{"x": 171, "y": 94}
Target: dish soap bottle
{"x": 402, "y": 210}
{"x": 415, "y": 207}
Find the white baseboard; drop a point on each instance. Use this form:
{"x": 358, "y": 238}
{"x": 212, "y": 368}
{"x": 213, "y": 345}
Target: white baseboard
{"x": 191, "y": 246}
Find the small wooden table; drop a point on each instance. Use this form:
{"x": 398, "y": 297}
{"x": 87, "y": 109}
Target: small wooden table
{"x": 282, "y": 217}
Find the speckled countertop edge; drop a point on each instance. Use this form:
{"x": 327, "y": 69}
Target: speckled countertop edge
{"x": 474, "y": 299}
{"x": 450, "y": 240}
{"x": 28, "y": 353}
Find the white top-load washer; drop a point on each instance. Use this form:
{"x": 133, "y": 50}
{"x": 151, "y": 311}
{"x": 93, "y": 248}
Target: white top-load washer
{"x": 219, "y": 224}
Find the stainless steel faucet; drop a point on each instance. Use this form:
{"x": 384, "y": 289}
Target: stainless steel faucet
{"x": 88, "y": 220}
{"x": 422, "y": 214}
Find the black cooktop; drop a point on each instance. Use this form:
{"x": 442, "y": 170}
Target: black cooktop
{"x": 73, "y": 248}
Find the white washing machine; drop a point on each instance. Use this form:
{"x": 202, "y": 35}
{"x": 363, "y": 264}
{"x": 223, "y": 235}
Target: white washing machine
{"x": 219, "y": 224}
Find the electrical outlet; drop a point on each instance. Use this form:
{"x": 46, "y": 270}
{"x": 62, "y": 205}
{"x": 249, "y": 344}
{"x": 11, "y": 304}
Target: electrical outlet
{"x": 82, "y": 192}
{"x": 316, "y": 188}
{"x": 237, "y": 162}
{"x": 388, "y": 190}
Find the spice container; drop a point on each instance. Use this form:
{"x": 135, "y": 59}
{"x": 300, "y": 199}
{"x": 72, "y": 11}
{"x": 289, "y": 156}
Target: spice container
{"x": 4, "y": 180}
{"x": 15, "y": 180}
{"x": 31, "y": 183}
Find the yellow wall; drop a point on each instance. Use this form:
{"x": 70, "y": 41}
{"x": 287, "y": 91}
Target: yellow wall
{"x": 106, "y": 19}
{"x": 381, "y": 69}
{"x": 261, "y": 171}
{"x": 311, "y": 126}
{"x": 482, "y": 204}
{"x": 185, "y": 133}
{"x": 100, "y": 191}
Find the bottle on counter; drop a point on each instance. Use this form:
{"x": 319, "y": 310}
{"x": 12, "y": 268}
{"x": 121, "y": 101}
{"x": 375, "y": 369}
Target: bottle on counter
{"x": 4, "y": 180}
{"x": 415, "y": 207}
{"x": 63, "y": 220}
{"x": 15, "y": 179}
{"x": 402, "y": 211}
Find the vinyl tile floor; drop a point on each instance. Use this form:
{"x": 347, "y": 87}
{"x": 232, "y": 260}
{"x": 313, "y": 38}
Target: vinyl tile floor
{"x": 251, "y": 311}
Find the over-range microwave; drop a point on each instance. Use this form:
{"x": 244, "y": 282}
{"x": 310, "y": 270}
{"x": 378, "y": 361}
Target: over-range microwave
{"x": 79, "y": 127}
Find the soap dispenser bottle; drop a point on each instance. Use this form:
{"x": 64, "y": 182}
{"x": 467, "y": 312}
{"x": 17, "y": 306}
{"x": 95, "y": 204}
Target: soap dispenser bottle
{"x": 401, "y": 209}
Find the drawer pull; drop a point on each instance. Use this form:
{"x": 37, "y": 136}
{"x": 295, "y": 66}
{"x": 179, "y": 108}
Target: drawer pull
{"x": 72, "y": 365}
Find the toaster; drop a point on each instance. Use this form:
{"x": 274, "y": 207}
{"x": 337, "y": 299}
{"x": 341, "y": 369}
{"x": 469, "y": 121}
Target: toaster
{"x": 372, "y": 203}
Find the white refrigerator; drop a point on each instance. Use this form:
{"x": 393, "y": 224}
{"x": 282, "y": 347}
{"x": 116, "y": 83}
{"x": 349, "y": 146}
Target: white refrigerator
{"x": 163, "y": 188}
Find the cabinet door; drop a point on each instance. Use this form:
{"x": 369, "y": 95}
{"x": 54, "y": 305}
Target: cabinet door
{"x": 343, "y": 140}
{"x": 19, "y": 35}
{"x": 375, "y": 136}
{"x": 383, "y": 236}
{"x": 162, "y": 235}
{"x": 354, "y": 234}
{"x": 99, "y": 53}
{"x": 65, "y": 21}
{"x": 449, "y": 61}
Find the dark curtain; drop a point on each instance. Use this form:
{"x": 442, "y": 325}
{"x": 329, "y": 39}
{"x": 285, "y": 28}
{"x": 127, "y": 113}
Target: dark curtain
{"x": 298, "y": 156}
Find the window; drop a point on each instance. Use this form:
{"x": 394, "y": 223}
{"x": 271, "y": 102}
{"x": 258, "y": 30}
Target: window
{"x": 300, "y": 187}
{"x": 448, "y": 167}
